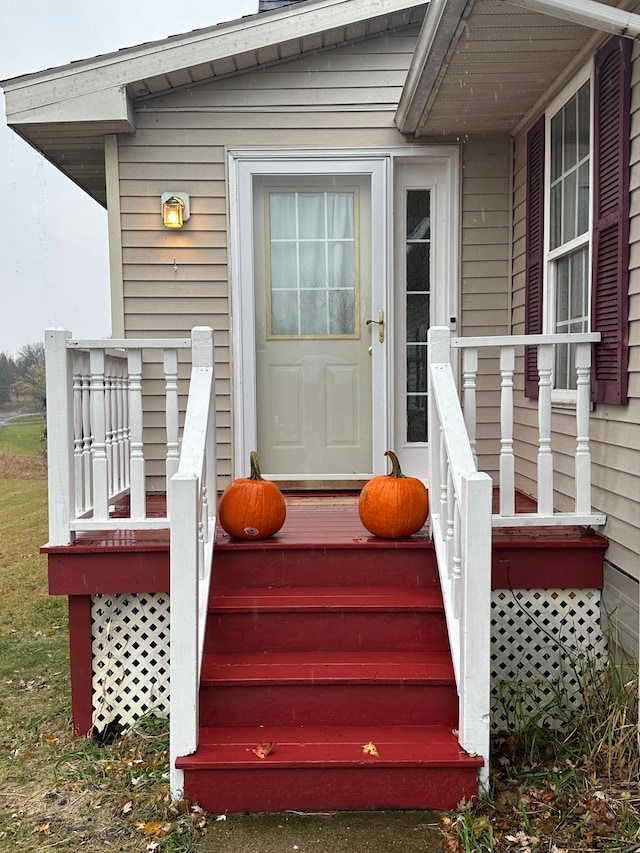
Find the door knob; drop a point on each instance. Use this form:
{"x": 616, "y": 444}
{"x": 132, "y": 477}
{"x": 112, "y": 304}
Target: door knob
{"x": 380, "y": 324}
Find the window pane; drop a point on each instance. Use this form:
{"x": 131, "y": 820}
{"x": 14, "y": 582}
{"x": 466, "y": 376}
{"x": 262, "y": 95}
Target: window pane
{"x": 282, "y": 216}
{"x": 341, "y": 265}
{"x": 284, "y": 313}
{"x": 341, "y": 312}
{"x": 313, "y": 312}
{"x": 418, "y": 215}
{"x": 418, "y": 266}
{"x": 284, "y": 267}
{"x": 584, "y": 109}
{"x": 570, "y": 134}
{"x": 583, "y": 198}
{"x": 555, "y": 237}
{"x": 416, "y": 368}
{"x": 417, "y": 317}
{"x": 311, "y": 216}
{"x": 556, "y": 146}
{"x": 340, "y": 215}
{"x": 312, "y": 265}
{"x": 562, "y": 292}
{"x": 416, "y": 418}
{"x": 569, "y": 208}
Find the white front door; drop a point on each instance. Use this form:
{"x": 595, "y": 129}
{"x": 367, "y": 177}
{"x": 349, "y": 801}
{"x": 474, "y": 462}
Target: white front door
{"x": 331, "y": 302}
{"x": 313, "y": 270}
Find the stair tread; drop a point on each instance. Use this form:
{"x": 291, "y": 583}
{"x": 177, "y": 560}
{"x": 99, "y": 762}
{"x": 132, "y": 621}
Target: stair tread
{"x": 327, "y": 667}
{"x": 383, "y": 598}
{"x": 328, "y": 745}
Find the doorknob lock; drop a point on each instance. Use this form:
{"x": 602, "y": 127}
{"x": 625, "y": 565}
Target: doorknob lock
{"x": 380, "y": 324}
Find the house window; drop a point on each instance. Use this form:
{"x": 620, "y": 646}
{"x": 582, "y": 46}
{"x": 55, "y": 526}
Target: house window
{"x": 569, "y": 249}
{"x": 577, "y": 224}
{"x": 312, "y": 255}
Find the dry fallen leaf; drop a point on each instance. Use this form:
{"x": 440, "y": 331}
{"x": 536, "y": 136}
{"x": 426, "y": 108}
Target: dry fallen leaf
{"x": 263, "y": 749}
{"x": 371, "y": 749}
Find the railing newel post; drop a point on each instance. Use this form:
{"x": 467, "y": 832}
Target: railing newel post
{"x": 59, "y": 382}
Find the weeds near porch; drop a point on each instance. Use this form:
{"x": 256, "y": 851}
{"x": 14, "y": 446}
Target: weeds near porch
{"x": 573, "y": 786}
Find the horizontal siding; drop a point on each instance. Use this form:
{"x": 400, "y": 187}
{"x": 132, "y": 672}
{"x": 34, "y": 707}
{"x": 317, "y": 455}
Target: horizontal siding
{"x": 615, "y": 430}
{"x": 344, "y": 97}
{"x": 484, "y": 273}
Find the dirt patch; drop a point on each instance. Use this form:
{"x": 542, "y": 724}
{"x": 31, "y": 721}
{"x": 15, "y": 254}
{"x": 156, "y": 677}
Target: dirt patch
{"x": 22, "y": 467}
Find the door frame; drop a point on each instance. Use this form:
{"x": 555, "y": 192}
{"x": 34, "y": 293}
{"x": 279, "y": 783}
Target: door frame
{"x": 378, "y": 164}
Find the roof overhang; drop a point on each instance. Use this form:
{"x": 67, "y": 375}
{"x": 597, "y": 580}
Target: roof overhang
{"x": 481, "y": 66}
{"x": 71, "y": 108}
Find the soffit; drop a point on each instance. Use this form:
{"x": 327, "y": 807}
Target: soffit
{"x": 501, "y": 61}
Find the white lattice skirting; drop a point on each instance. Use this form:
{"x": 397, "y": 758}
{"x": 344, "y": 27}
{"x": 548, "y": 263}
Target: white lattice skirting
{"x": 540, "y": 640}
{"x": 130, "y": 655}
{"x": 543, "y": 641}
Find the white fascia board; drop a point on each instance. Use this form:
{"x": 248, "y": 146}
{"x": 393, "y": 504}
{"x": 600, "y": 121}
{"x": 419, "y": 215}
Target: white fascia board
{"x": 110, "y": 107}
{"x": 88, "y": 77}
{"x": 430, "y": 56}
{"x": 588, "y": 13}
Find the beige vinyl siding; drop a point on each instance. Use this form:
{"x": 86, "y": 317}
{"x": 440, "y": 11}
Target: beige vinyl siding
{"x": 339, "y": 98}
{"x": 484, "y": 296}
{"x": 615, "y": 430}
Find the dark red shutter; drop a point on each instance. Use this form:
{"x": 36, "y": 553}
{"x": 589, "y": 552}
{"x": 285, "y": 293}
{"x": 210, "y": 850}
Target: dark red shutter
{"x": 534, "y": 251}
{"x": 610, "y": 265}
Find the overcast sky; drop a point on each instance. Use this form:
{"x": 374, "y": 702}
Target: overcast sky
{"x": 54, "y": 269}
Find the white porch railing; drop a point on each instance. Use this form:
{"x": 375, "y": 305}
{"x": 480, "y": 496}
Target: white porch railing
{"x": 461, "y": 525}
{"x": 96, "y": 456}
{"x": 95, "y": 431}
{"x": 461, "y": 497}
{"x": 192, "y": 496}
{"x": 582, "y": 513}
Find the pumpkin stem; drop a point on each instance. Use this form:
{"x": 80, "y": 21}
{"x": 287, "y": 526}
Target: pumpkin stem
{"x": 255, "y": 468}
{"x": 395, "y": 465}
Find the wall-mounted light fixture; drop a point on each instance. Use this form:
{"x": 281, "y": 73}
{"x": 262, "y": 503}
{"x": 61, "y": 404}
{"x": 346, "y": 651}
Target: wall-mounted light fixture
{"x": 175, "y": 209}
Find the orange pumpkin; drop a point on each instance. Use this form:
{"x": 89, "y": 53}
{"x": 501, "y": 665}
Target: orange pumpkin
{"x": 250, "y": 507}
{"x": 392, "y": 506}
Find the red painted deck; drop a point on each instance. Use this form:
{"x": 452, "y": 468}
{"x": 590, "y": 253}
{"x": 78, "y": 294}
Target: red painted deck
{"x": 327, "y": 521}
{"x": 319, "y": 640}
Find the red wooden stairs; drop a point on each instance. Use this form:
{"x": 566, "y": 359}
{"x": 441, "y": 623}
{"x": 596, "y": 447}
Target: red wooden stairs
{"x": 321, "y": 649}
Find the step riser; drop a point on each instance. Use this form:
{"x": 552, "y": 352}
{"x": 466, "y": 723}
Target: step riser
{"x": 329, "y": 789}
{"x": 331, "y": 704}
{"x": 328, "y": 631}
{"x": 331, "y": 567}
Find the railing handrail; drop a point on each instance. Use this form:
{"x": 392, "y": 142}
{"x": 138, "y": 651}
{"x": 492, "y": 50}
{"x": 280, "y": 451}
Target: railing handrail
{"x": 192, "y": 512}
{"x": 128, "y": 343}
{"x": 526, "y": 340}
{"x": 460, "y": 508}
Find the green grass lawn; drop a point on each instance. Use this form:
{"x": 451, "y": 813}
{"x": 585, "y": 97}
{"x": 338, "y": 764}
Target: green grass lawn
{"x": 23, "y": 436}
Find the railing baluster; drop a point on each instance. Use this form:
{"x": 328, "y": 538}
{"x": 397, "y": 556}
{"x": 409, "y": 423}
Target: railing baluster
{"x": 507, "y": 460}
{"x": 137, "y": 465}
{"x": 171, "y": 405}
{"x": 98, "y": 419}
{"x": 583, "y": 453}
{"x": 108, "y": 434}
{"x": 77, "y": 434}
{"x": 545, "y": 457}
{"x": 469, "y": 376}
{"x": 87, "y": 434}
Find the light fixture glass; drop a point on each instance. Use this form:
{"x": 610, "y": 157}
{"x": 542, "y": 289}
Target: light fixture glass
{"x": 175, "y": 209}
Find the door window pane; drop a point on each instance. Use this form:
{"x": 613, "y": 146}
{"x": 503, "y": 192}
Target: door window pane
{"x": 313, "y": 273}
{"x": 417, "y": 309}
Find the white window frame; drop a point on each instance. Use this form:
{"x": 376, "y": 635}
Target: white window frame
{"x": 566, "y": 395}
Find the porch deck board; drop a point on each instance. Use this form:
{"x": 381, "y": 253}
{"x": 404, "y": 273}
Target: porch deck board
{"x": 312, "y": 519}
